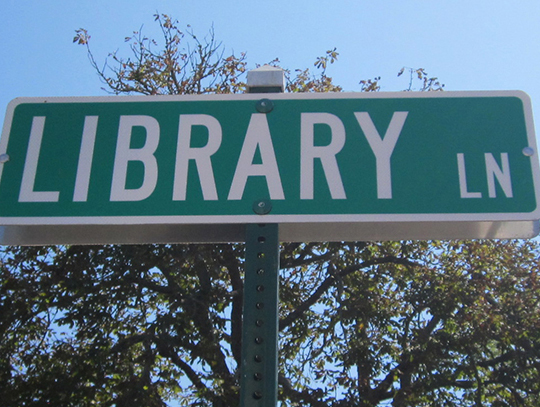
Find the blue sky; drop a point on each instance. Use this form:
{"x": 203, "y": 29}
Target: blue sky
{"x": 468, "y": 44}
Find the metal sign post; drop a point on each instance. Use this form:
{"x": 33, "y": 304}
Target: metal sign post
{"x": 260, "y": 317}
{"x": 259, "y": 370}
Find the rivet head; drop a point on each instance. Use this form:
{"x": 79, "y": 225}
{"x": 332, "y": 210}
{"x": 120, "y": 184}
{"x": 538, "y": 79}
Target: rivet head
{"x": 528, "y": 151}
{"x": 264, "y": 106}
{"x": 4, "y": 158}
{"x": 262, "y": 206}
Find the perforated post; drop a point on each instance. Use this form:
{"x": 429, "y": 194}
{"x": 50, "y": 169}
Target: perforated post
{"x": 260, "y": 323}
{"x": 259, "y": 370}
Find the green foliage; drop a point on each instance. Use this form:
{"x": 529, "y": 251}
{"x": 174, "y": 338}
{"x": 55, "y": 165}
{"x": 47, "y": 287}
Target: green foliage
{"x": 408, "y": 323}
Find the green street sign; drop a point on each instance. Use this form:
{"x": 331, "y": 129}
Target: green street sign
{"x": 330, "y": 166}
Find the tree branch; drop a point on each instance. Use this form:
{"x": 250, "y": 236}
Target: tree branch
{"x": 330, "y": 281}
{"x": 306, "y": 396}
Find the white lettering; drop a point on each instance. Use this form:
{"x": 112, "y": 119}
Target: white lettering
{"x": 382, "y": 148}
{"x": 257, "y": 135}
{"x": 86, "y": 155}
{"x": 503, "y": 176}
{"x": 201, "y": 155}
{"x": 463, "y": 179}
{"x": 145, "y": 155}
{"x": 27, "y": 193}
{"x": 327, "y": 154}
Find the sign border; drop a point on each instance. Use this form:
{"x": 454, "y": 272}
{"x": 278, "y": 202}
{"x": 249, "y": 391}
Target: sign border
{"x": 202, "y": 221}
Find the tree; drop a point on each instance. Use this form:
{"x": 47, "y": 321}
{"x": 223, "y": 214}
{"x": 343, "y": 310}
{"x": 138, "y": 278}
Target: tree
{"x": 409, "y": 323}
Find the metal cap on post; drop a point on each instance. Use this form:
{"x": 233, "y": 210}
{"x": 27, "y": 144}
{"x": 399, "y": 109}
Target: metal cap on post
{"x": 266, "y": 79}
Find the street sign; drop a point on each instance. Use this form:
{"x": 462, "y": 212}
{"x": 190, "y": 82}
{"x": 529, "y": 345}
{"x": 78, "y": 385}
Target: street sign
{"x": 325, "y": 166}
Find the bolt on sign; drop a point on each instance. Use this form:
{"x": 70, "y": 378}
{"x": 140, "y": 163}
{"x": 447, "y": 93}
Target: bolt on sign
{"x": 329, "y": 166}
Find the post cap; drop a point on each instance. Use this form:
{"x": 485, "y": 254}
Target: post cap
{"x": 266, "y": 79}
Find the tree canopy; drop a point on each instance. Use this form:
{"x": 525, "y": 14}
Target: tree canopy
{"x": 411, "y": 323}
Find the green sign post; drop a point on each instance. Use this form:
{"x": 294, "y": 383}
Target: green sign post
{"x": 260, "y": 312}
{"x": 335, "y": 166}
